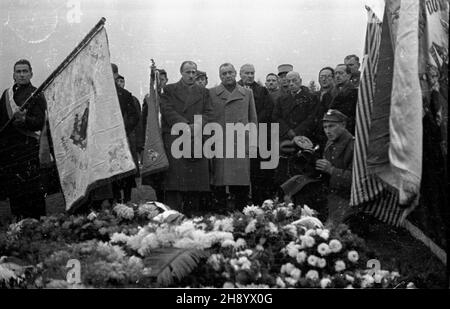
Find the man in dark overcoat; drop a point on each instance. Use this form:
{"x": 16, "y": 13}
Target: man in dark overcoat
{"x": 261, "y": 179}
{"x": 187, "y": 179}
{"x": 19, "y": 146}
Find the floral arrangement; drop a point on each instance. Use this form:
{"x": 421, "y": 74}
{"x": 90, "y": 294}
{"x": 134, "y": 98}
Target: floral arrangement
{"x": 149, "y": 245}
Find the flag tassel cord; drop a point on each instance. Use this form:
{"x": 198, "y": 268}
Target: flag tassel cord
{"x": 99, "y": 26}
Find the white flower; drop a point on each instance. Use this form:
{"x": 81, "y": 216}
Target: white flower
{"x": 225, "y": 225}
{"x": 185, "y": 228}
{"x": 323, "y": 249}
{"x": 311, "y": 232}
{"x": 251, "y": 227}
{"x": 290, "y": 281}
{"x": 240, "y": 243}
{"x": 214, "y": 260}
{"x": 349, "y": 287}
{"x": 259, "y": 248}
{"x": 335, "y": 245}
{"x": 296, "y": 273}
{"x": 312, "y": 274}
{"x": 308, "y": 241}
{"x": 228, "y": 243}
{"x": 92, "y": 216}
{"x": 149, "y": 242}
{"x": 394, "y": 275}
{"x": 119, "y": 238}
{"x": 307, "y": 212}
{"x": 353, "y": 256}
{"x": 410, "y": 285}
{"x": 301, "y": 257}
{"x": 367, "y": 281}
{"x": 349, "y": 278}
{"x": 253, "y": 211}
{"x": 267, "y": 204}
{"x": 248, "y": 251}
{"x": 312, "y": 260}
{"x": 321, "y": 263}
{"x": 339, "y": 266}
{"x": 292, "y": 250}
{"x": 291, "y": 229}
{"x": 377, "y": 278}
{"x": 325, "y": 234}
{"x": 228, "y": 285}
{"x": 325, "y": 282}
{"x": 280, "y": 283}
{"x": 289, "y": 268}
{"x": 272, "y": 228}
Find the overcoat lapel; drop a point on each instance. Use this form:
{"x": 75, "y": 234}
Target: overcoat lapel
{"x": 188, "y": 95}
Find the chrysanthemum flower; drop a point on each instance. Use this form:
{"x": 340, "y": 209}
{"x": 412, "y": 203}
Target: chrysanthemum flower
{"x": 296, "y": 273}
{"x": 323, "y": 249}
{"x": 353, "y": 256}
{"x": 251, "y": 227}
{"x": 335, "y": 245}
{"x": 312, "y": 260}
{"x": 321, "y": 263}
{"x": 339, "y": 266}
{"x": 301, "y": 257}
{"x": 325, "y": 282}
{"x": 312, "y": 275}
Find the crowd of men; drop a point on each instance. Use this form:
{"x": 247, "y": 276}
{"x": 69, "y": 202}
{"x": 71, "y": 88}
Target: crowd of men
{"x": 319, "y": 123}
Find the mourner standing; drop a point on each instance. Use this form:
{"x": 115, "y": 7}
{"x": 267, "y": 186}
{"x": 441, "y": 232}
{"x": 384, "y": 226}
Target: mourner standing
{"x": 232, "y": 104}
{"x": 186, "y": 182}
{"x": 19, "y": 146}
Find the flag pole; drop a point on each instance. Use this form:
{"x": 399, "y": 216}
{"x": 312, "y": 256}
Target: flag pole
{"x": 99, "y": 26}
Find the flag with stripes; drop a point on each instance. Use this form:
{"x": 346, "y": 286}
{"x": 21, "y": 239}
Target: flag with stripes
{"x": 368, "y": 191}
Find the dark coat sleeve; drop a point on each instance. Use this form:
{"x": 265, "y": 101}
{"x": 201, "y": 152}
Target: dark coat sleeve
{"x": 306, "y": 127}
{"x": 168, "y": 110}
{"x": 277, "y": 117}
{"x": 35, "y": 116}
{"x": 129, "y": 112}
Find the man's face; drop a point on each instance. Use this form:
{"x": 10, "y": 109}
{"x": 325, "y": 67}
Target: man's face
{"x": 120, "y": 82}
{"x": 283, "y": 80}
{"x": 228, "y": 75}
{"x": 247, "y": 74}
{"x": 326, "y": 78}
{"x": 188, "y": 73}
{"x": 272, "y": 82}
{"x": 340, "y": 75}
{"x": 294, "y": 82}
{"x": 22, "y": 74}
{"x": 162, "y": 81}
{"x": 201, "y": 81}
{"x": 353, "y": 64}
{"x": 333, "y": 130}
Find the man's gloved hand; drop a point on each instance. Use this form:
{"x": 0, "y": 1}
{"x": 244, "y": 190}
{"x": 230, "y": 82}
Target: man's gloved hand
{"x": 324, "y": 166}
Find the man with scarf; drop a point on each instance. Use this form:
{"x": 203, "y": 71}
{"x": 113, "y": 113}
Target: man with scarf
{"x": 19, "y": 144}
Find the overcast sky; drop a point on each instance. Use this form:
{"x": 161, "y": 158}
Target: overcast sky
{"x": 308, "y": 34}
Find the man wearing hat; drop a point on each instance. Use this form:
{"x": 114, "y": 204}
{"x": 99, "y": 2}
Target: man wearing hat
{"x": 283, "y": 69}
{"x": 201, "y": 79}
{"x": 337, "y": 164}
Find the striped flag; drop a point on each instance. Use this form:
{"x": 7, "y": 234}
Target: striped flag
{"x": 367, "y": 190}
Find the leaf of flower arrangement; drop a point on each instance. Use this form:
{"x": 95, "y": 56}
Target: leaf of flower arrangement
{"x": 169, "y": 262}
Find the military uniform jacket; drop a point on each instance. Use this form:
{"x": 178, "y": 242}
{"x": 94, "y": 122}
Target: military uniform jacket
{"x": 340, "y": 154}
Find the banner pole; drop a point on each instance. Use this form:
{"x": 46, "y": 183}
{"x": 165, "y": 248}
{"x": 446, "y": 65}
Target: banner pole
{"x": 62, "y": 66}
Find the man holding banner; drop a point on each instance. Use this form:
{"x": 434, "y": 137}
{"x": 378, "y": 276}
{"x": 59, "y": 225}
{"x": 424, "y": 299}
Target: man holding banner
{"x": 19, "y": 146}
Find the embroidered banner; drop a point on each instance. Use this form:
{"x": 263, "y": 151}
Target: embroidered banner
{"x": 86, "y": 123}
